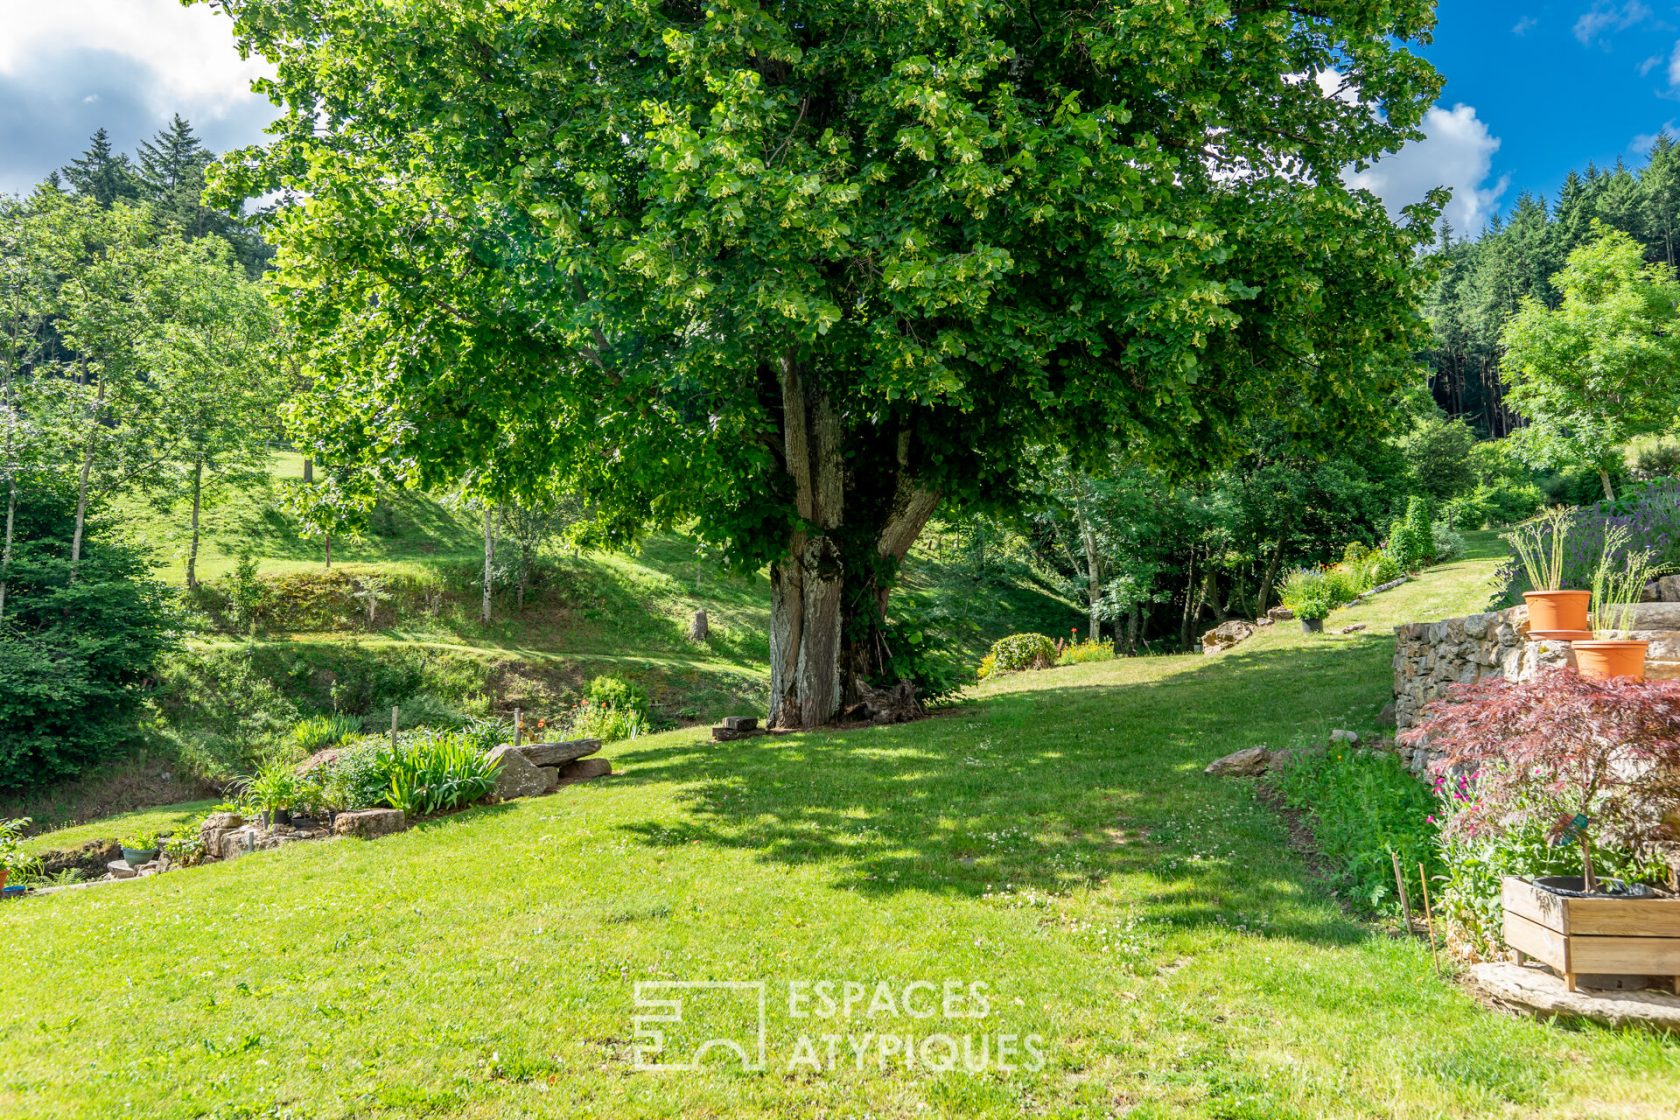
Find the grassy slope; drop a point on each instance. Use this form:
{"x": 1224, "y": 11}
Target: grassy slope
{"x": 1054, "y": 839}
{"x": 607, "y": 613}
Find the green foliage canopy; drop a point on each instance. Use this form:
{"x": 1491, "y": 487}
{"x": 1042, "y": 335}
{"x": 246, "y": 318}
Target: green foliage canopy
{"x": 806, "y": 273}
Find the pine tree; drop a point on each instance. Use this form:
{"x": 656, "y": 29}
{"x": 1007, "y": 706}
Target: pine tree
{"x": 102, "y": 173}
{"x": 171, "y": 172}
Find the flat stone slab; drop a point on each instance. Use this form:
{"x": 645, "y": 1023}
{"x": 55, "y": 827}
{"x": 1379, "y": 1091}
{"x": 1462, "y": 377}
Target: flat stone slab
{"x": 1532, "y": 990}
{"x": 1248, "y": 763}
{"x": 741, "y": 723}
{"x": 555, "y": 754}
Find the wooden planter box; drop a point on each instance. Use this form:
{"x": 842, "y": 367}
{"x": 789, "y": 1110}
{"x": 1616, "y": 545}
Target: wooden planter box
{"x": 1593, "y": 936}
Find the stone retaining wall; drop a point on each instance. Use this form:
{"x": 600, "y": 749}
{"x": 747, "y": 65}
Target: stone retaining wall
{"x": 1431, "y": 657}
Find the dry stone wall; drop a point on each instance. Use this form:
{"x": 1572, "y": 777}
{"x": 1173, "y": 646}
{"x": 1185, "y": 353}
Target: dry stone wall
{"x": 1431, "y": 657}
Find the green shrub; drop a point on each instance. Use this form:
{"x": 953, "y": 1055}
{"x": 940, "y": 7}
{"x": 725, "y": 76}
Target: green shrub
{"x": 1361, "y": 806}
{"x": 318, "y": 732}
{"x": 1448, "y": 542}
{"x": 1343, "y": 585}
{"x": 1091, "y": 649}
{"x": 1467, "y": 897}
{"x": 220, "y": 717}
{"x": 1380, "y": 568}
{"x": 436, "y": 772}
{"x": 1021, "y": 651}
{"x": 76, "y": 658}
{"x": 588, "y": 720}
{"x": 1660, "y": 460}
{"x": 617, "y": 694}
{"x": 1354, "y": 554}
{"x": 13, "y": 858}
{"x": 275, "y": 786}
{"x": 1306, "y": 593}
{"x": 354, "y": 780}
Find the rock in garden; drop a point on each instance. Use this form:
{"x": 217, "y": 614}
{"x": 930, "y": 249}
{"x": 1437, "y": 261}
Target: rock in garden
{"x": 556, "y": 754}
{"x": 369, "y": 823}
{"x": 518, "y": 777}
{"x": 583, "y": 770}
{"x": 1264, "y": 620}
{"x": 1534, "y": 991}
{"x": 1348, "y": 737}
{"x": 1249, "y": 763}
{"x": 1354, "y": 629}
{"x": 1280, "y": 614}
{"x": 1226, "y": 635}
{"x": 741, "y": 723}
{"x": 1387, "y": 717}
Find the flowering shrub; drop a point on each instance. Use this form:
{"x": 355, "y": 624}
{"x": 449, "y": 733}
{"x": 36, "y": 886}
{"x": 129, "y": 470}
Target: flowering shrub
{"x": 1092, "y": 649}
{"x": 1018, "y": 652}
{"x": 1643, "y": 519}
{"x": 1586, "y": 761}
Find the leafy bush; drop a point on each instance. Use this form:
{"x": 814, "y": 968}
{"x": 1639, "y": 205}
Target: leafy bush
{"x": 318, "y": 732}
{"x": 617, "y": 694}
{"x": 1448, "y": 542}
{"x": 273, "y": 787}
{"x": 1343, "y": 585}
{"x": 354, "y": 780}
{"x": 1091, "y": 649}
{"x": 588, "y": 720}
{"x": 220, "y": 717}
{"x": 1020, "y": 651}
{"x": 1474, "y": 861}
{"x": 1590, "y": 761}
{"x": 436, "y": 772}
{"x": 1660, "y": 460}
{"x": 1306, "y": 593}
{"x": 1362, "y": 806}
{"x": 1354, "y": 554}
{"x": 75, "y": 657}
{"x": 12, "y": 856}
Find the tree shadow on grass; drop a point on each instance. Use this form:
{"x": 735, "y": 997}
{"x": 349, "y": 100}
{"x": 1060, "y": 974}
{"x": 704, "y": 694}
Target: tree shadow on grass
{"x": 1044, "y": 790}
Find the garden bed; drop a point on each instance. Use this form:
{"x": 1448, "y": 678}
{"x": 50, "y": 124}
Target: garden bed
{"x": 1584, "y": 938}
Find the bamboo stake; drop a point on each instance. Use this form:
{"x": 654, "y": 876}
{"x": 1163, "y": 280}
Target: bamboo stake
{"x": 1400, "y": 885}
{"x": 393, "y": 727}
{"x": 1429, "y": 916}
{"x": 518, "y": 726}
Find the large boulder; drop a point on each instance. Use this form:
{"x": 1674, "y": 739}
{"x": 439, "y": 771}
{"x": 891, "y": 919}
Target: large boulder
{"x": 369, "y": 823}
{"x": 1249, "y": 763}
{"x": 555, "y": 754}
{"x": 1280, "y": 614}
{"x": 1226, "y": 635}
{"x": 518, "y": 776}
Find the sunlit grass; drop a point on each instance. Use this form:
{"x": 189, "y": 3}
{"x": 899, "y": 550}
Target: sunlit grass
{"x": 1054, "y": 838}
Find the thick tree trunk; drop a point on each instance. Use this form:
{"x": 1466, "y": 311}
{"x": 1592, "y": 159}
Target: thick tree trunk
{"x": 806, "y": 585}
{"x": 489, "y": 563}
{"x": 197, "y": 505}
{"x": 1093, "y": 574}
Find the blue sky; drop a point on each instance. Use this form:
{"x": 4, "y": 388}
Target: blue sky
{"x": 1559, "y": 84}
{"x": 1532, "y": 90}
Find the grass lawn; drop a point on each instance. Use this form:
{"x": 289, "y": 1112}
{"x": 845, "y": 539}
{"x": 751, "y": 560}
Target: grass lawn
{"x": 1053, "y": 839}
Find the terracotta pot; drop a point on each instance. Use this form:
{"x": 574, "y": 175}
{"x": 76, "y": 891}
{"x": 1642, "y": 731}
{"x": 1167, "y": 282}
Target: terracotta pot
{"x": 1602, "y": 660}
{"x": 4, "y": 871}
{"x": 1561, "y": 615}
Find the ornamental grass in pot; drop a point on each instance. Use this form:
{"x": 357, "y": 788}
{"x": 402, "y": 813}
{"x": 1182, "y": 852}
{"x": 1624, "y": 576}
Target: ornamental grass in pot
{"x": 1618, "y": 584}
{"x": 1553, "y": 611}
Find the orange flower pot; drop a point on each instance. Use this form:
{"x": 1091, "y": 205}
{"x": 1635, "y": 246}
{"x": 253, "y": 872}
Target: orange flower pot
{"x": 1561, "y": 615}
{"x": 1603, "y": 660}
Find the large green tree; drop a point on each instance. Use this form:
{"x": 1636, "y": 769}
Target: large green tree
{"x": 807, "y": 272}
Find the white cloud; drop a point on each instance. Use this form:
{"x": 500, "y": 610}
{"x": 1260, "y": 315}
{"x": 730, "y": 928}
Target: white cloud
{"x": 1605, "y": 18}
{"x": 189, "y": 50}
{"x": 1674, "y": 68}
{"x": 1642, "y": 144}
{"x": 69, "y": 67}
{"x": 1524, "y": 25}
{"x": 1456, "y": 152}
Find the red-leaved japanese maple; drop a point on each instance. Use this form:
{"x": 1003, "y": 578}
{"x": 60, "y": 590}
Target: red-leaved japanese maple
{"x": 1560, "y": 748}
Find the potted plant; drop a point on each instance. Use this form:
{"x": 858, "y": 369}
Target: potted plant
{"x": 1618, "y": 583}
{"x": 272, "y": 791}
{"x": 12, "y": 856}
{"x": 1553, "y": 611}
{"x": 1593, "y": 763}
{"x": 1306, "y": 594}
{"x": 139, "y": 849}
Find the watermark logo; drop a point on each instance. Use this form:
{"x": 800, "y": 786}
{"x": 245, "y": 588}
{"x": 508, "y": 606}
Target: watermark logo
{"x": 939, "y": 1027}
{"x": 664, "y": 1007}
